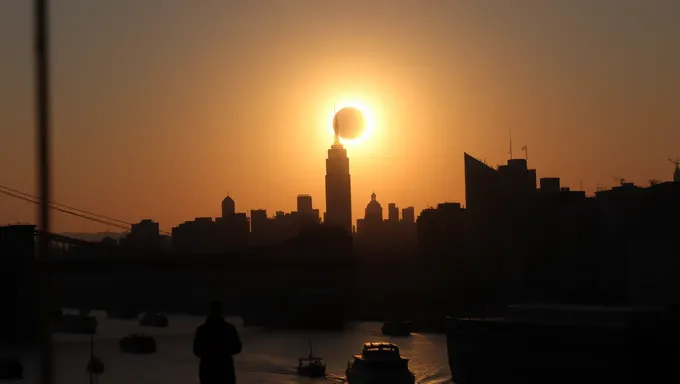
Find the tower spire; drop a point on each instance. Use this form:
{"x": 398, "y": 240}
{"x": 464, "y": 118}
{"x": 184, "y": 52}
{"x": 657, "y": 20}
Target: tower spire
{"x": 510, "y": 144}
{"x": 336, "y": 126}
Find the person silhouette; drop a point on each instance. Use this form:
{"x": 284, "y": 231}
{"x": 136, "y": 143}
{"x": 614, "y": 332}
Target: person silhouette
{"x": 215, "y": 342}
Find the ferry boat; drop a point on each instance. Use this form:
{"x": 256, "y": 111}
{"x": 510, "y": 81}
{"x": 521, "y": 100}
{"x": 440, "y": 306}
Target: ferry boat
{"x": 379, "y": 362}
{"x": 562, "y": 344}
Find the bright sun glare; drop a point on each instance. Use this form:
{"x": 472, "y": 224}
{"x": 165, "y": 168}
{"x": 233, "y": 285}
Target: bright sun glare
{"x": 368, "y": 117}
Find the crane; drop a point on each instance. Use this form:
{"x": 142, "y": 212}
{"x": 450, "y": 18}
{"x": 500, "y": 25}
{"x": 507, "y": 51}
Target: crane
{"x": 676, "y": 161}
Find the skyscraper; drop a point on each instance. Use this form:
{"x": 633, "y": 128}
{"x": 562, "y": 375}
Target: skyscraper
{"x": 304, "y": 204}
{"x": 338, "y": 187}
{"x": 393, "y": 212}
{"x": 228, "y": 207}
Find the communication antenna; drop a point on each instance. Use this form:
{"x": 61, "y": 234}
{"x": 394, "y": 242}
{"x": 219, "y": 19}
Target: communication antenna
{"x": 510, "y": 152}
{"x": 336, "y": 126}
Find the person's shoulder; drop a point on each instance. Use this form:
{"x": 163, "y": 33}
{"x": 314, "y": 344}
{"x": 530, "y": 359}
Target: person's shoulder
{"x": 229, "y": 326}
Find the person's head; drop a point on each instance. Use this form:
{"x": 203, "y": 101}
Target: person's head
{"x": 216, "y": 308}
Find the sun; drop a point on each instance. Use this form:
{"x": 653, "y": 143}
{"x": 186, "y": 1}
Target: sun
{"x": 369, "y": 119}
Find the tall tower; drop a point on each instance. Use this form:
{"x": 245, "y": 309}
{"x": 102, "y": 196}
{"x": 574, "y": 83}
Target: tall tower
{"x": 338, "y": 186}
{"x": 228, "y": 207}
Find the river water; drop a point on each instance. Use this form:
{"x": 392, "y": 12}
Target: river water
{"x": 268, "y": 356}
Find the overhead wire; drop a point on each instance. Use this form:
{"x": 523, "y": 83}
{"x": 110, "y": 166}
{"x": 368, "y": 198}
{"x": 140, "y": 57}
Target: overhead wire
{"x": 67, "y": 207}
{"x": 102, "y": 219}
{"x": 66, "y": 211}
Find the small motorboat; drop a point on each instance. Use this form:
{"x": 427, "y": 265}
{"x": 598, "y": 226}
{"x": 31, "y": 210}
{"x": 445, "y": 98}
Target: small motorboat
{"x": 138, "y": 344}
{"x": 397, "y": 328}
{"x": 379, "y": 362}
{"x": 76, "y": 323}
{"x": 11, "y": 369}
{"x": 153, "y": 319}
{"x": 311, "y": 366}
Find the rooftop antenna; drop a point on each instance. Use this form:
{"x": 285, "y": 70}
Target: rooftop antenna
{"x": 336, "y": 127}
{"x": 510, "y": 144}
{"x": 621, "y": 180}
{"x": 525, "y": 148}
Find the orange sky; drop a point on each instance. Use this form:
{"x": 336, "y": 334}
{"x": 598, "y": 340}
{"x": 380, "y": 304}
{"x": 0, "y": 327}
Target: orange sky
{"x": 160, "y": 108}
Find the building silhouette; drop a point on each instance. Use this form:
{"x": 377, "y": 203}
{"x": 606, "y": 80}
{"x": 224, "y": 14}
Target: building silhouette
{"x": 145, "y": 234}
{"x": 379, "y": 237}
{"x": 228, "y": 207}
{"x": 258, "y": 226}
{"x": 304, "y": 203}
{"x": 393, "y": 212}
{"x": 205, "y": 235}
{"x": 408, "y": 215}
{"x": 338, "y": 188}
{"x": 486, "y": 187}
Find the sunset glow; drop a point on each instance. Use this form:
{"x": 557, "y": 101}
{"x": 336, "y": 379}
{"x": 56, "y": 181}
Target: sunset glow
{"x": 368, "y": 116}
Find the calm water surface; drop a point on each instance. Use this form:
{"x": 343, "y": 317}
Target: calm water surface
{"x": 267, "y": 357}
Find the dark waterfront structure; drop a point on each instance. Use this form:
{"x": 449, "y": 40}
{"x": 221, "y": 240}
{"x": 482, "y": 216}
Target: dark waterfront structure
{"x": 18, "y": 324}
{"x": 338, "y": 188}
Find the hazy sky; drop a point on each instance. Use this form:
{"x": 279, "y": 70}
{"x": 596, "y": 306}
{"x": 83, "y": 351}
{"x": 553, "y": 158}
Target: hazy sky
{"x": 162, "y": 107}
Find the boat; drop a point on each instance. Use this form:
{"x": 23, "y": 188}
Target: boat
{"x": 397, "y": 328}
{"x": 153, "y": 319}
{"x": 138, "y": 344}
{"x": 562, "y": 344}
{"x": 379, "y": 362}
{"x": 11, "y": 369}
{"x": 76, "y": 323}
{"x": 311, "y": 366}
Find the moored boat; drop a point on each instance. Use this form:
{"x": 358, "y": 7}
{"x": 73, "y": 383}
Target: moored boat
{"x": 311, "y": 366}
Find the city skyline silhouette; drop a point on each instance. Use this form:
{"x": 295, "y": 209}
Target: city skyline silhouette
{"x": 202, "y": 133}
{"x": 185, "y": 123}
